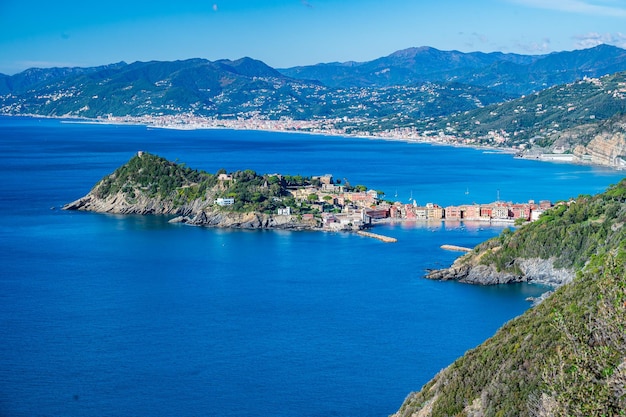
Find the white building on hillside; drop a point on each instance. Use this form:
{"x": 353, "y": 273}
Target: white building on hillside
{"x": 225, "y": 201}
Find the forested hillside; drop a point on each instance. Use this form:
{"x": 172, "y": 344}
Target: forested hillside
{"x": 543, "y": 117}
{"x": 147, "y": 177}
{"x": 566, "y": 356}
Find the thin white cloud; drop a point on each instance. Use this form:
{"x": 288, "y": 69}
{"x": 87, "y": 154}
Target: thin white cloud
{"x": 589, "y": 7}
{"x": 592, "y": 39}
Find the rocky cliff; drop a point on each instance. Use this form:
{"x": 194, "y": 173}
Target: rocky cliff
{"x": 468, "y": 269}
{"x": 607, "y": 149}
{"x": 197, "y": 213}
{"x": 233, "y": 220}
{"x": 121, "y": 203}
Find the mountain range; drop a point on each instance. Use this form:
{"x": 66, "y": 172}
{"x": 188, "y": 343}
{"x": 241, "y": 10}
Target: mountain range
{"x": 508, "y": 73}
{"x": 510, "y": 100}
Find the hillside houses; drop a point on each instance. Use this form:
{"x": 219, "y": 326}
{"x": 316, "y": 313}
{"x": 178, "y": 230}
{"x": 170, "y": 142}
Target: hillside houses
{"x": 413, "y": 211}
{"x": 497, "y": 211}
{"x": 340, "y": 207}
{"x": 493, "y": 211}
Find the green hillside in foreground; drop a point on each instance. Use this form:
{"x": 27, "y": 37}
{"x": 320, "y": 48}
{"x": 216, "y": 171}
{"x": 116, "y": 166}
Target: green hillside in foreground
{"x": 566, "y": 356}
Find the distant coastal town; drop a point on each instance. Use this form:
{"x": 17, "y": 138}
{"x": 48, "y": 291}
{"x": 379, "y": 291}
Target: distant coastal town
{"x": 322, "y": 126}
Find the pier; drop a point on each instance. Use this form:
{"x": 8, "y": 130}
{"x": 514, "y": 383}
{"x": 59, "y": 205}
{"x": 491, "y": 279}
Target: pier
{"x": 385, "y": 239}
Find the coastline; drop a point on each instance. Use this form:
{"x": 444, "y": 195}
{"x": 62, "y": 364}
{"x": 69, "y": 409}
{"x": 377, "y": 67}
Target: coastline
{"x": 225, "y": 125}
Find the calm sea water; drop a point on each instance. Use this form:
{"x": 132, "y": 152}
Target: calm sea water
{"x": 103, "y": 315}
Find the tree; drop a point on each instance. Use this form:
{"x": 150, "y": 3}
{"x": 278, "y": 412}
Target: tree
{"x": 312, "y": 197}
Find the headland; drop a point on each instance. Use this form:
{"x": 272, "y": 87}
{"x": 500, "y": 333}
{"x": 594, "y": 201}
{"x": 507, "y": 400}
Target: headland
{"x": 148, "y": 184}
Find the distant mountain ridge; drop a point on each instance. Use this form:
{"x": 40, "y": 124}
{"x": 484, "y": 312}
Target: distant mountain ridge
{"x": 34, "y": 77}
{"x": 510, "y": 73}
{"x": 245, "y": 88}
{"x": 404, "y": 67}
{"x": 143, "y": 88}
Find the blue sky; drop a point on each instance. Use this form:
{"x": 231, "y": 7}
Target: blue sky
{"x": 285, "y": 33}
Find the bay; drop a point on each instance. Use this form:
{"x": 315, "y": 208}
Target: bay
{"x": 104, "y": 315}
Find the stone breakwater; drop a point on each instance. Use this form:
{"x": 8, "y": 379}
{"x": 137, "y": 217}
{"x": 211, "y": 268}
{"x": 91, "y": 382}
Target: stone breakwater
{"x": 382, "y": 238}
{"x": 538, "y": 271}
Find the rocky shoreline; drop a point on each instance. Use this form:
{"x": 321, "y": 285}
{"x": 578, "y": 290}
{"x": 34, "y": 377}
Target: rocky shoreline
{"x": 467, "y": 269}
{"x": 246, "y": 221}
{"x": 196, "y": 214}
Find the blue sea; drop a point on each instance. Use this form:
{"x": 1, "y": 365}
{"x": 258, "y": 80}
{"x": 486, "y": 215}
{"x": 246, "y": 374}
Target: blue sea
{"x": 106, "y": 315}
